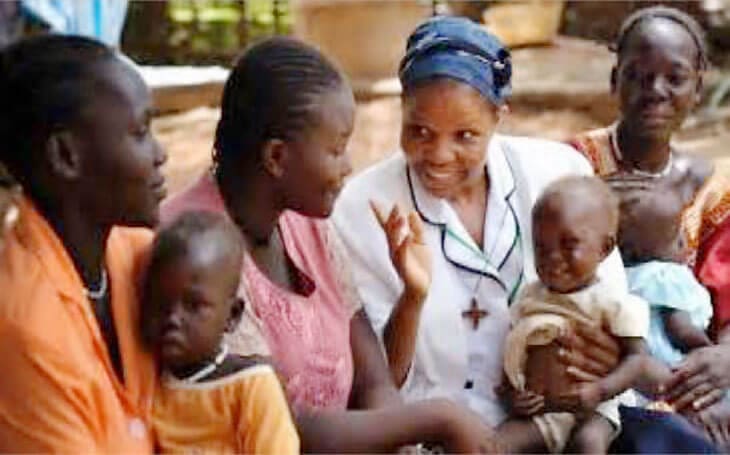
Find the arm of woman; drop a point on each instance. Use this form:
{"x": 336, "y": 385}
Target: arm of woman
{"x": 381, "y": 422}
{"x": 412, "y": 260}
{"x": 701, "y": 379}
{"x": 636, "y": 369}
{"x": 387, "y": 429}
{"x": 400, "y": 334}
{"x": 372, "y": 386}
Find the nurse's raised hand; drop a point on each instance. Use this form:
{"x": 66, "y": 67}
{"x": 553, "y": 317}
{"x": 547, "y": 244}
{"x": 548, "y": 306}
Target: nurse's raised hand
{"x": 408, "y": 250}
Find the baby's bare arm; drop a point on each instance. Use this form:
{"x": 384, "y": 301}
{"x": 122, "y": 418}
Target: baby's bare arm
{"x": 637, "y": 369}
{"x": 682, "y": 332}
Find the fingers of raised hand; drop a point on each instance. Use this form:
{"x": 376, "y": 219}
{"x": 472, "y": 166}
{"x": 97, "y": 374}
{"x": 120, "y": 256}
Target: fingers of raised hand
{"x": 378, "y": 212}
{"x": 394, "y": 225}
{"x": 416, "y": 226}
{"x": 393, "y": 218}
{"x": 395, "y": 221}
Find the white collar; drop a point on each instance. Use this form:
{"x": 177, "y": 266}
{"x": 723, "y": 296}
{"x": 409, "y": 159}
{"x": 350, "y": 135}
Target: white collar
{"x": 503, "y": 262}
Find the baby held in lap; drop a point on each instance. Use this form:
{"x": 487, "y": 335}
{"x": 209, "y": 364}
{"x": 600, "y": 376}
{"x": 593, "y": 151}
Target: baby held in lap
{"x": 209, "y": 400}
{"x": 650, "y": 242}
{"x": 575, "y": 223}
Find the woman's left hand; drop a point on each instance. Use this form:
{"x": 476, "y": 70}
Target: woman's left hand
{"x": 588, "y": 354}
{"x": 408, "y": 250}
{"x": 701, "y": 379}
{"x": 715, "y": 420}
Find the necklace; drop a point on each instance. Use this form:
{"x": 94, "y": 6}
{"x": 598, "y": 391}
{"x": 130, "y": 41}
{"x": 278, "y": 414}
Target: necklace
{"x": 653, "y": 175}
{"x": 475, "y": 313}
{"x": 208, "y": 369}
{"x": 97, "y": 294}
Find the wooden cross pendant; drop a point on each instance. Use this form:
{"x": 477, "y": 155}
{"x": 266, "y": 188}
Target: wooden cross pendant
{"x": 475, "y": 313}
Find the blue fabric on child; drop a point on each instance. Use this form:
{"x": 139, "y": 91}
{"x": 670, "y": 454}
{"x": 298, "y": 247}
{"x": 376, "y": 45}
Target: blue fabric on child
{"x": 669, "y": 286}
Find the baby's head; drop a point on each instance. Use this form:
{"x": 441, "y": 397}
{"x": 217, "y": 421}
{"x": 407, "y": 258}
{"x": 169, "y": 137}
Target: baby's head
{"x": 574, "y": 229}
{"x": 649, "y": 228}
{"x": 190, "y": 289}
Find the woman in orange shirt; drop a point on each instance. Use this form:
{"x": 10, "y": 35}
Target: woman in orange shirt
{"x": 75, "y": 120}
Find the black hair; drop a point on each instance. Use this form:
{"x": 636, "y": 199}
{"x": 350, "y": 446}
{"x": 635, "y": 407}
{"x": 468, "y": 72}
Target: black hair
{"x": 269, "y": 94}
{"x": 681, "y": 18}
{"x": 585, "y": 187}
{"x": 44, "y": 85}
{"x": 173, "y": 241}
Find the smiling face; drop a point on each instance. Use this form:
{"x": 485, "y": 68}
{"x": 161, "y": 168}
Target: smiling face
{"x": 657, "y": 79}
{"x": 446, "y": 128}
{"x": 118, "y": 150}
{"x": 318, "y": 161}
{"x": 571, "y": 237}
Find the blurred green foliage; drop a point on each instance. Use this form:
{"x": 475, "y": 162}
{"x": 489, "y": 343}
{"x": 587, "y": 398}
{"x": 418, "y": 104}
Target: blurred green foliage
{"x": 200, "y": 31}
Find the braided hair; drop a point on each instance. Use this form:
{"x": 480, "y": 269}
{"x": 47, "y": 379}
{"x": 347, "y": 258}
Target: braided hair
{"x": 44, "y": 85}
{"x": 671, "y": 14}
{"x": 270, "y": 93}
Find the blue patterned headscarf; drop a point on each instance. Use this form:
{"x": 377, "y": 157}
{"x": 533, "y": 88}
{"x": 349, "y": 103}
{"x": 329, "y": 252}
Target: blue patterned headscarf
{"x": 457, "y": 48}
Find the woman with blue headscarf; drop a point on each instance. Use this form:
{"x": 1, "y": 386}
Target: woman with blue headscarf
{"x": 461, "y": 197}
{"x": 460, "y": 235}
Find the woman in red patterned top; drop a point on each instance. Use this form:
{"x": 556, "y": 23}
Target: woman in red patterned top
{"x": 657, "y": 80}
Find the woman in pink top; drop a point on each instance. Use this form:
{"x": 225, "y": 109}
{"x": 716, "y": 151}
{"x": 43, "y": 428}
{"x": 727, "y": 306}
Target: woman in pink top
{"x": 280, "y": 161}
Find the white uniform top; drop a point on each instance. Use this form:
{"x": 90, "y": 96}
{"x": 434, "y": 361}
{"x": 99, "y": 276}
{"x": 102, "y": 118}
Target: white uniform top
{"x": 452, "y": 360}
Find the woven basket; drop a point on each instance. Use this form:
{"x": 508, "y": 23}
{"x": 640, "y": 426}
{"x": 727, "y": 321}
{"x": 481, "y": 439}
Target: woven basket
{"x": 525, "y": 22}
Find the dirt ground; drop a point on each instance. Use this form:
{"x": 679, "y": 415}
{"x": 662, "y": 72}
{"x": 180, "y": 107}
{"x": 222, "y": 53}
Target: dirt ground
{"x": 188, "y": 137}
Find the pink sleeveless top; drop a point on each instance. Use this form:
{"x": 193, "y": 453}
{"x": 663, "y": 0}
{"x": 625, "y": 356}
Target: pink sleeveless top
{"x": 308, "y": 332}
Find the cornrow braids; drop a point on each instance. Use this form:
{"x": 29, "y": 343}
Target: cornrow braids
{"x": 44, "y": 84}
{"x": 672, "y": 14}
{"x": 269, "y": 94}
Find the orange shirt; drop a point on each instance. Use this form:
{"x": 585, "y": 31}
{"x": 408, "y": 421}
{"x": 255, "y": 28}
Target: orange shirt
{"x": 244, "y": 412}
{"x": 58, "y": 388}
